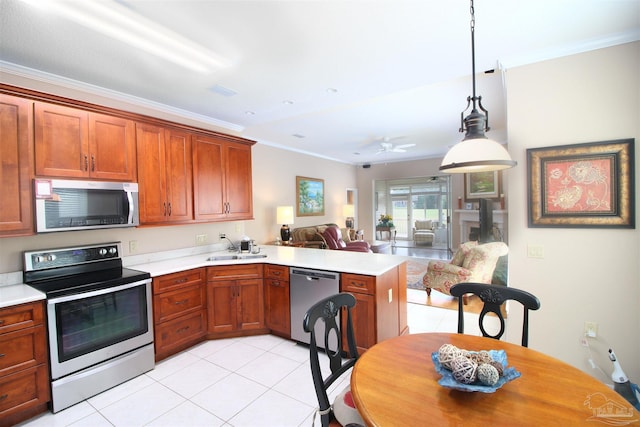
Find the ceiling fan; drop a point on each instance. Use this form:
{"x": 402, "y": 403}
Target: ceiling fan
{"x": 387, "y": 147}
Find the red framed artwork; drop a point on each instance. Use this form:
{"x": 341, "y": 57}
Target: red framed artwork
{"x": 582, "y": 185}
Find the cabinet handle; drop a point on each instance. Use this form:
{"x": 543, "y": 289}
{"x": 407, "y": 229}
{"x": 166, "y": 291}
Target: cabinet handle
{"x": 181, "y": 280}
{"x": 169, "y": 209}
{"x": 2, "y": 355}
{"x": 3, "y": 397}
{"x": 1, "y": 322}
{"x": 276, "y": 273}
{"x": 181, "y": 330}
{"x": 275, "y": 283}
{"x": 184, "y": 301}
{"x": 86, "y": 163}
{"x": 93, "y": 163}
{"x": 164, "y": 205}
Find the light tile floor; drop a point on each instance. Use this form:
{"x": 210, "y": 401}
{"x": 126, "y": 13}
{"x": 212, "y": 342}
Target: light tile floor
{"x": 252, "y": 381}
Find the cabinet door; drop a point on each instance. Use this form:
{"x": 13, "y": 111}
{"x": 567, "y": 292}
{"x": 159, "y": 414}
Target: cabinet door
{"x": 277, "y": 306}
{"x": 179, "y": 177}
{"x": 238, "y": 191}
{"x": 61, "y": 141}
{"x": 151, "y": 173}
{"x": 363, "y": 317}
{"x": 16, "y": 120}
{"x": 208, "y": 178}
{"x": 221, "y": 306}
{"x": 250, "y": 304}
{"x": 112, "y": 148}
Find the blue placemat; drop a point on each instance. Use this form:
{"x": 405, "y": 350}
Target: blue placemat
{"x": 448, "y": 381}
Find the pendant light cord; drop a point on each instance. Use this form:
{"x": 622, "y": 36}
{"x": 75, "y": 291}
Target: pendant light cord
{"x": 473, "y": 53}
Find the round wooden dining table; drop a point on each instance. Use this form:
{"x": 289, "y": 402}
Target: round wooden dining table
{"x": 395, "y": 383}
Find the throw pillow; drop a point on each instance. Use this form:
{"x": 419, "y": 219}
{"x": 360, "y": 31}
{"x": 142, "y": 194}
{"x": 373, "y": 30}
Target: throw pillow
{"x": 462, "y": 252}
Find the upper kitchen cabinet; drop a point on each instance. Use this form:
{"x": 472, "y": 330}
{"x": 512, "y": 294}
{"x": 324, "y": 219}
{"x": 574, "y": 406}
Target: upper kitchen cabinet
{"x": 16, "y": 120}
{"x": 71, "y": 142}
{"x": 221, "y": 179}
{"x": 164, "y": 174}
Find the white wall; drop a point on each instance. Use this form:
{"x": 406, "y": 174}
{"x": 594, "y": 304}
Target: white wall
{"x": 586, "y": 274}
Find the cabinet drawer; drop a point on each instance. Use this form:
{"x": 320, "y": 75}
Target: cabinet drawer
{"x": 359, "y": 284}
{"x": 174, "y": 281}
{"x": 22, "y": 349}
{"x": 180, "y": 332}
{"x": 21, "y": 316}
{"x": 23, "y": 390}
{"x": 225, "y": 272}
{"x": 172, "y": 304}
{"x": 279, "y": 272}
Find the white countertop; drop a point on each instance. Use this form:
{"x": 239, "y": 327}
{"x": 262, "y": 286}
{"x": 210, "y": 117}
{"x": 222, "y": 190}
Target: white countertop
{"x": 321, "y": 259}
{"x": 18, "y": 294}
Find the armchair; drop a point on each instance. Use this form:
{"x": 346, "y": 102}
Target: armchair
{"x": 423, "y": 232}
{"x": 471, "y": 263}
{"x": 333, "y": 239}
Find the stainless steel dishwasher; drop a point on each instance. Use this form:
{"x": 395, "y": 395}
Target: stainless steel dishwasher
{"x": 306, "y": 288}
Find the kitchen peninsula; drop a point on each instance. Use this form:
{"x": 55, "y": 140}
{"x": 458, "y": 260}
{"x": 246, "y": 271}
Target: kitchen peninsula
{"x": 197, "y": 299}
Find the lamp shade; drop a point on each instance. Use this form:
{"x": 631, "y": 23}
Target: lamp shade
{"x": 348, "y": 211}
{"x": 476, "y": 155}
{"x": 284, "y": 215}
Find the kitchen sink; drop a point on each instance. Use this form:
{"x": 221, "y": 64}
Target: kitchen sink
{"x": 235, "y": 256}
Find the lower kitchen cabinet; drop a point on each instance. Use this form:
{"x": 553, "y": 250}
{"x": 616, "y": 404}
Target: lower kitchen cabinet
{"x": 24, "y": 371}
{"x": 276, "y": 300}
{"x": 179, "y": 311}
{"x": 381, "y": 306}
{"x": 235, "y": 300}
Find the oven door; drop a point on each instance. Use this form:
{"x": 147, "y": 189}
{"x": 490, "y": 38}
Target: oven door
{"x": 92, "y": 327}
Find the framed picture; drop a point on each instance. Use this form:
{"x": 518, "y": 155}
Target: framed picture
{"x": 482, "y": 185}
{"x": 309, "y": 196}
{"x": 582, "y": 185}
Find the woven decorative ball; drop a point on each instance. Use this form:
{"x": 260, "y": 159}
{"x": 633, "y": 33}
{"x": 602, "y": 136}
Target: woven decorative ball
{"x": 479, "y": 357}
{"x": 498, "y": 366}
{"x": 487, "y": 374}
{"x": 447, "y": 353}
{"x": 464, "y": 370}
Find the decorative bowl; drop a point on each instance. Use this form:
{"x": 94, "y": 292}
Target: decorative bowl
{"x": 448, "y": 381}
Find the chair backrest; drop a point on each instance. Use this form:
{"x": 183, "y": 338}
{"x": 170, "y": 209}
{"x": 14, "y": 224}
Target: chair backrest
{"x": 333, "y": 237}
{"x": 328, "y": 310}
{"x": 423, "y": 224}
{"x": 493, "y": 296}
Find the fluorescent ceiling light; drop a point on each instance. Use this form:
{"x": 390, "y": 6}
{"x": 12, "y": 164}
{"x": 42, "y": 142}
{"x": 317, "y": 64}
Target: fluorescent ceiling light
{"x": 117, "y": 21}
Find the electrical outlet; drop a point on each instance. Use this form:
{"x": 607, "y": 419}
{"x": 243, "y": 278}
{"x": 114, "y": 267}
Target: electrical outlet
{"x": 222, "y": 236}
{"x": 201, "y": 239}
{"x": 133, "y": 246}
{"x": 591, "y": 329}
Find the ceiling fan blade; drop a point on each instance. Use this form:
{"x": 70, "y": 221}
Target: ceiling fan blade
{"x": 405, "y": 146}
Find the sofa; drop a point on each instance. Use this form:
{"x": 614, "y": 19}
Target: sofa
{"x": 311, "y": 236}
{"x": 333, "y": 240}
{"x": 423, "y": 232}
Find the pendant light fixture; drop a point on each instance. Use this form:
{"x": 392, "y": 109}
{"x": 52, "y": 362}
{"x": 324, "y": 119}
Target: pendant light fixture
{"x": 476, "y": 152}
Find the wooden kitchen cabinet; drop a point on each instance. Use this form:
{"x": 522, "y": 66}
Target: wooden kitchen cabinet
{"x": 276, "y": 300}
{"x": 221, "y": 179}
{"x": 179, "y": 311}
{"x": 24, "y": 370}
{"x": 16, "y": 171}
{"x": 74, "y": 143}
{"x": 164, "y": 175}
{"x": 235, "y": 300}
{"x": 381, "y": 302}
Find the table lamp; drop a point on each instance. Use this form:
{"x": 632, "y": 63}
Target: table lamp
{"x": 349, "y": 212}
{"x": 284, "y": 216}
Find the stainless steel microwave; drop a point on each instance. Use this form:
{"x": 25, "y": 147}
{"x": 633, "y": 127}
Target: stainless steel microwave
{"x": 66, "y": 205}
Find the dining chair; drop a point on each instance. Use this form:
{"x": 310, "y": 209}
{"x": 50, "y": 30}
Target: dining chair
{"x": 328, "y": 310}
{"x": 493, "y": 296}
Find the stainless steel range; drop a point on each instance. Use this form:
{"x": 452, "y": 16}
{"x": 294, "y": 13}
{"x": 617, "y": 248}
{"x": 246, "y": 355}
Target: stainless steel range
{"x": 99, "y": 319}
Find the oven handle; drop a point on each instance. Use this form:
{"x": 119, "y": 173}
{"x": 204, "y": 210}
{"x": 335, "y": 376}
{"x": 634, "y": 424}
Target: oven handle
{"x": 98, "y": 292}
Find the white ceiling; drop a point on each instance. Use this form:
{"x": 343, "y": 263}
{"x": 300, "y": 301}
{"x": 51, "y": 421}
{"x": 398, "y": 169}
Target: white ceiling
{"x": 401, "y": 69}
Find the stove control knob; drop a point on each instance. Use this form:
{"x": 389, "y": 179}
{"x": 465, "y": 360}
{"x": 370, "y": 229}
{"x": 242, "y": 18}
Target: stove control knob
{"x": 102, "y": 251}
{"x": 51, "y": 257}
{"x": 40, "y": 258}
{"x": 112, "y": 251}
